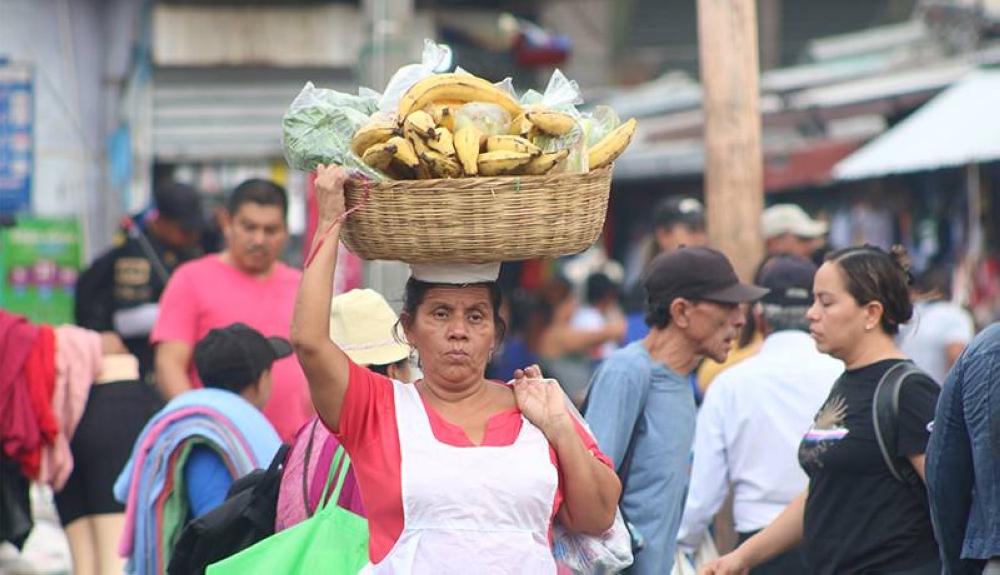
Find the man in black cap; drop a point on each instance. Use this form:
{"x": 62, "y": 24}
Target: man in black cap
{"x": 121, "y": 289}
{"x": 677, "y": 221}
{"x": 754, "y": 414}
{"x": 641, "y": 408}
{"x": 236, "y": 358}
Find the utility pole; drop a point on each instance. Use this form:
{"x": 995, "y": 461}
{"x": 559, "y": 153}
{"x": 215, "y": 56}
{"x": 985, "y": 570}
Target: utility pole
{"x": 392, "y": 45}
{"x": 734, "y": 170}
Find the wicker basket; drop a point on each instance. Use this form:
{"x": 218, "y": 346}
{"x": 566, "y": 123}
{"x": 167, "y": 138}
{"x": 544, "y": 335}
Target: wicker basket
{"x": 476, "y": 220}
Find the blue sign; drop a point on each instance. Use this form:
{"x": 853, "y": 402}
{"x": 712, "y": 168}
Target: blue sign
{"x": 17, "y": 119}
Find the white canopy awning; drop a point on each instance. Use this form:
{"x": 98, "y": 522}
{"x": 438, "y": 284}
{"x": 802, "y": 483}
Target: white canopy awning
{"x": 959, "y": 126}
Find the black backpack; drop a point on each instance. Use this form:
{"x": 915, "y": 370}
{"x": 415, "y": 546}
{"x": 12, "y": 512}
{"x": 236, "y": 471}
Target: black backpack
{"x": 243, "y": 519}
{"x": 885, "y": 416}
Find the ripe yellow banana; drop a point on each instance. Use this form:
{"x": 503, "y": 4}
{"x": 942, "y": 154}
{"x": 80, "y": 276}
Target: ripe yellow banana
{"x": 443, "y": 141}
{"x": 550, "y": 122}
{"x": 405, "y": 154}
{"x": 417, "y": 141}
{"x": 420, "y": 123}
{"x": 458, "y": 87}
{"x": 441, "y": 165}
{"x": 512, "y": 144}
{"x": 443, "y": 113}
{"x": 502, "y": 163}
{"x": 611, "y": 146}
{"x": 372, "y": 133}
{"x": 379, "y": 156}
{"x": 520, "y": 126}
{"x": 468, "y": 142}
{"x": 544, "y": 163}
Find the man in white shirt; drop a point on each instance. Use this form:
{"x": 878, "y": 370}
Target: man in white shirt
{"x": 755, "y": 414}
{"x": 940, "y": 328}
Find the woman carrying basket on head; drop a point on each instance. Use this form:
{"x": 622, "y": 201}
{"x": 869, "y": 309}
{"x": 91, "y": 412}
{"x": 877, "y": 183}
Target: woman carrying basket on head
{"x": 457, "y": 472}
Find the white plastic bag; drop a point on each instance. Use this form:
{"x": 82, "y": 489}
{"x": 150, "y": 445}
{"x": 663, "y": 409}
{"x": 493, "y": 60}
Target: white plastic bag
{"x": 436, "y": 58}
{"x": 588, "y": 554}
{"x": 593, "y": 555}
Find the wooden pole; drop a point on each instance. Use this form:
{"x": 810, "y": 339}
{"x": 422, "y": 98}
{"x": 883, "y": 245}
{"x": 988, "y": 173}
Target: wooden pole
{"x": 734, "y": 180}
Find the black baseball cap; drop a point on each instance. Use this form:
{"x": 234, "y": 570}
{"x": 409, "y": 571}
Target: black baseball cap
{"x": 679, "y": 210}
{"x": 697, "y": 273}
{"x": 236, "y": 355}
{"x": 790, "y": 280}
{"x": 180, "y": 203}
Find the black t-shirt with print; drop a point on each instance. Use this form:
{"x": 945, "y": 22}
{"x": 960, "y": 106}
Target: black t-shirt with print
{"x": 858, "y": 518}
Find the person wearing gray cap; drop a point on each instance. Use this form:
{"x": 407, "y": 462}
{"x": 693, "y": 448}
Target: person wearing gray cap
{"x": 640, "y": 405}
{"x": 751, "y": 422}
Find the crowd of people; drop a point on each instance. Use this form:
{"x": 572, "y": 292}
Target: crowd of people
{"x": 842, "y": 405}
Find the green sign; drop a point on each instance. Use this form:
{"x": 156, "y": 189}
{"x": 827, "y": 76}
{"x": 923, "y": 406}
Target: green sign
{"x": 39, "y": 264}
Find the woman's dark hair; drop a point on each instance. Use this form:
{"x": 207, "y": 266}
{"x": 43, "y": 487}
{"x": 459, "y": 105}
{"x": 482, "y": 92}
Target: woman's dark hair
{"x": 873, "y": 274}
{"x": 415, "y": 293}
{"x": 259, "y": 191}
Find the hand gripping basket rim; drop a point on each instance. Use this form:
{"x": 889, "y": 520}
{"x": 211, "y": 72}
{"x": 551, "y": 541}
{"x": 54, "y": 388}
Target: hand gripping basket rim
{"x": 476, "y": 220}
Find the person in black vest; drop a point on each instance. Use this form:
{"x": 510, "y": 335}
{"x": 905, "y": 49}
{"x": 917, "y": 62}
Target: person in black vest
{"x": 121, "y": 289}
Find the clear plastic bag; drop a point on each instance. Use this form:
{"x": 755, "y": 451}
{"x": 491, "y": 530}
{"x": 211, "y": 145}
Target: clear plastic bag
{"x": 436, "y": 58}
{"x": 577, "y": 162}
{"x": 318, "y": 127}
{"x": 491, "y": 119}
{"x": 599, "y": 122}
{"x": 562, "y": 95}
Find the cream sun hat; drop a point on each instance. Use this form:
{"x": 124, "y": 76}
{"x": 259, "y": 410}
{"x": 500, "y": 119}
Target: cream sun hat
{"x": 363, "y": 325}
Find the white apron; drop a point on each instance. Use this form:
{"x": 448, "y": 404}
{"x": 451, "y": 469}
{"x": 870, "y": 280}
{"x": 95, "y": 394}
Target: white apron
{"x": 483, "y": 510}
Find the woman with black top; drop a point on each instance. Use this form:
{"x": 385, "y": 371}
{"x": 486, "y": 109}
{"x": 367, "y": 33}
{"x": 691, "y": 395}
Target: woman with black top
{"x": 855, "y": 518}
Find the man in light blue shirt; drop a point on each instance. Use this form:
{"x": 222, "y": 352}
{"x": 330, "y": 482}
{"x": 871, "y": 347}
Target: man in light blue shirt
{"x": 641, "y": 408}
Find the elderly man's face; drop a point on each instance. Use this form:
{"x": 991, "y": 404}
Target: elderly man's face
{"x": 713, "y": 328}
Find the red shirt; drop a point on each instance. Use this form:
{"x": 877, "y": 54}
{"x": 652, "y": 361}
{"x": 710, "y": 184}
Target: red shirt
{"x": 369, "y": 433}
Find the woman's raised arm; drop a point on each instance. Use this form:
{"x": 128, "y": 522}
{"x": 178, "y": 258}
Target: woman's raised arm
{"x": 325, "y": 365}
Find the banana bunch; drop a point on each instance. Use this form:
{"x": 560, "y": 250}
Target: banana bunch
{"x": 423, "y": 140}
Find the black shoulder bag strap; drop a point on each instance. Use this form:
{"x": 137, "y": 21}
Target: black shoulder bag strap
{"x": 265, "y": 518}
{"x": 885, "y": 416}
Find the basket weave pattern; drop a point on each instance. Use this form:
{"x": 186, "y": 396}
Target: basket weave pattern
{"x": 476, "y": 220}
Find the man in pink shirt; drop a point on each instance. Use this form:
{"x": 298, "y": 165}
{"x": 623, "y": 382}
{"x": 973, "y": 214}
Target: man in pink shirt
{"x": 245, "y": 283}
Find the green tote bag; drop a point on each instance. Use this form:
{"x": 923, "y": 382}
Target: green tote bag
{"x": 334, "y": 541}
